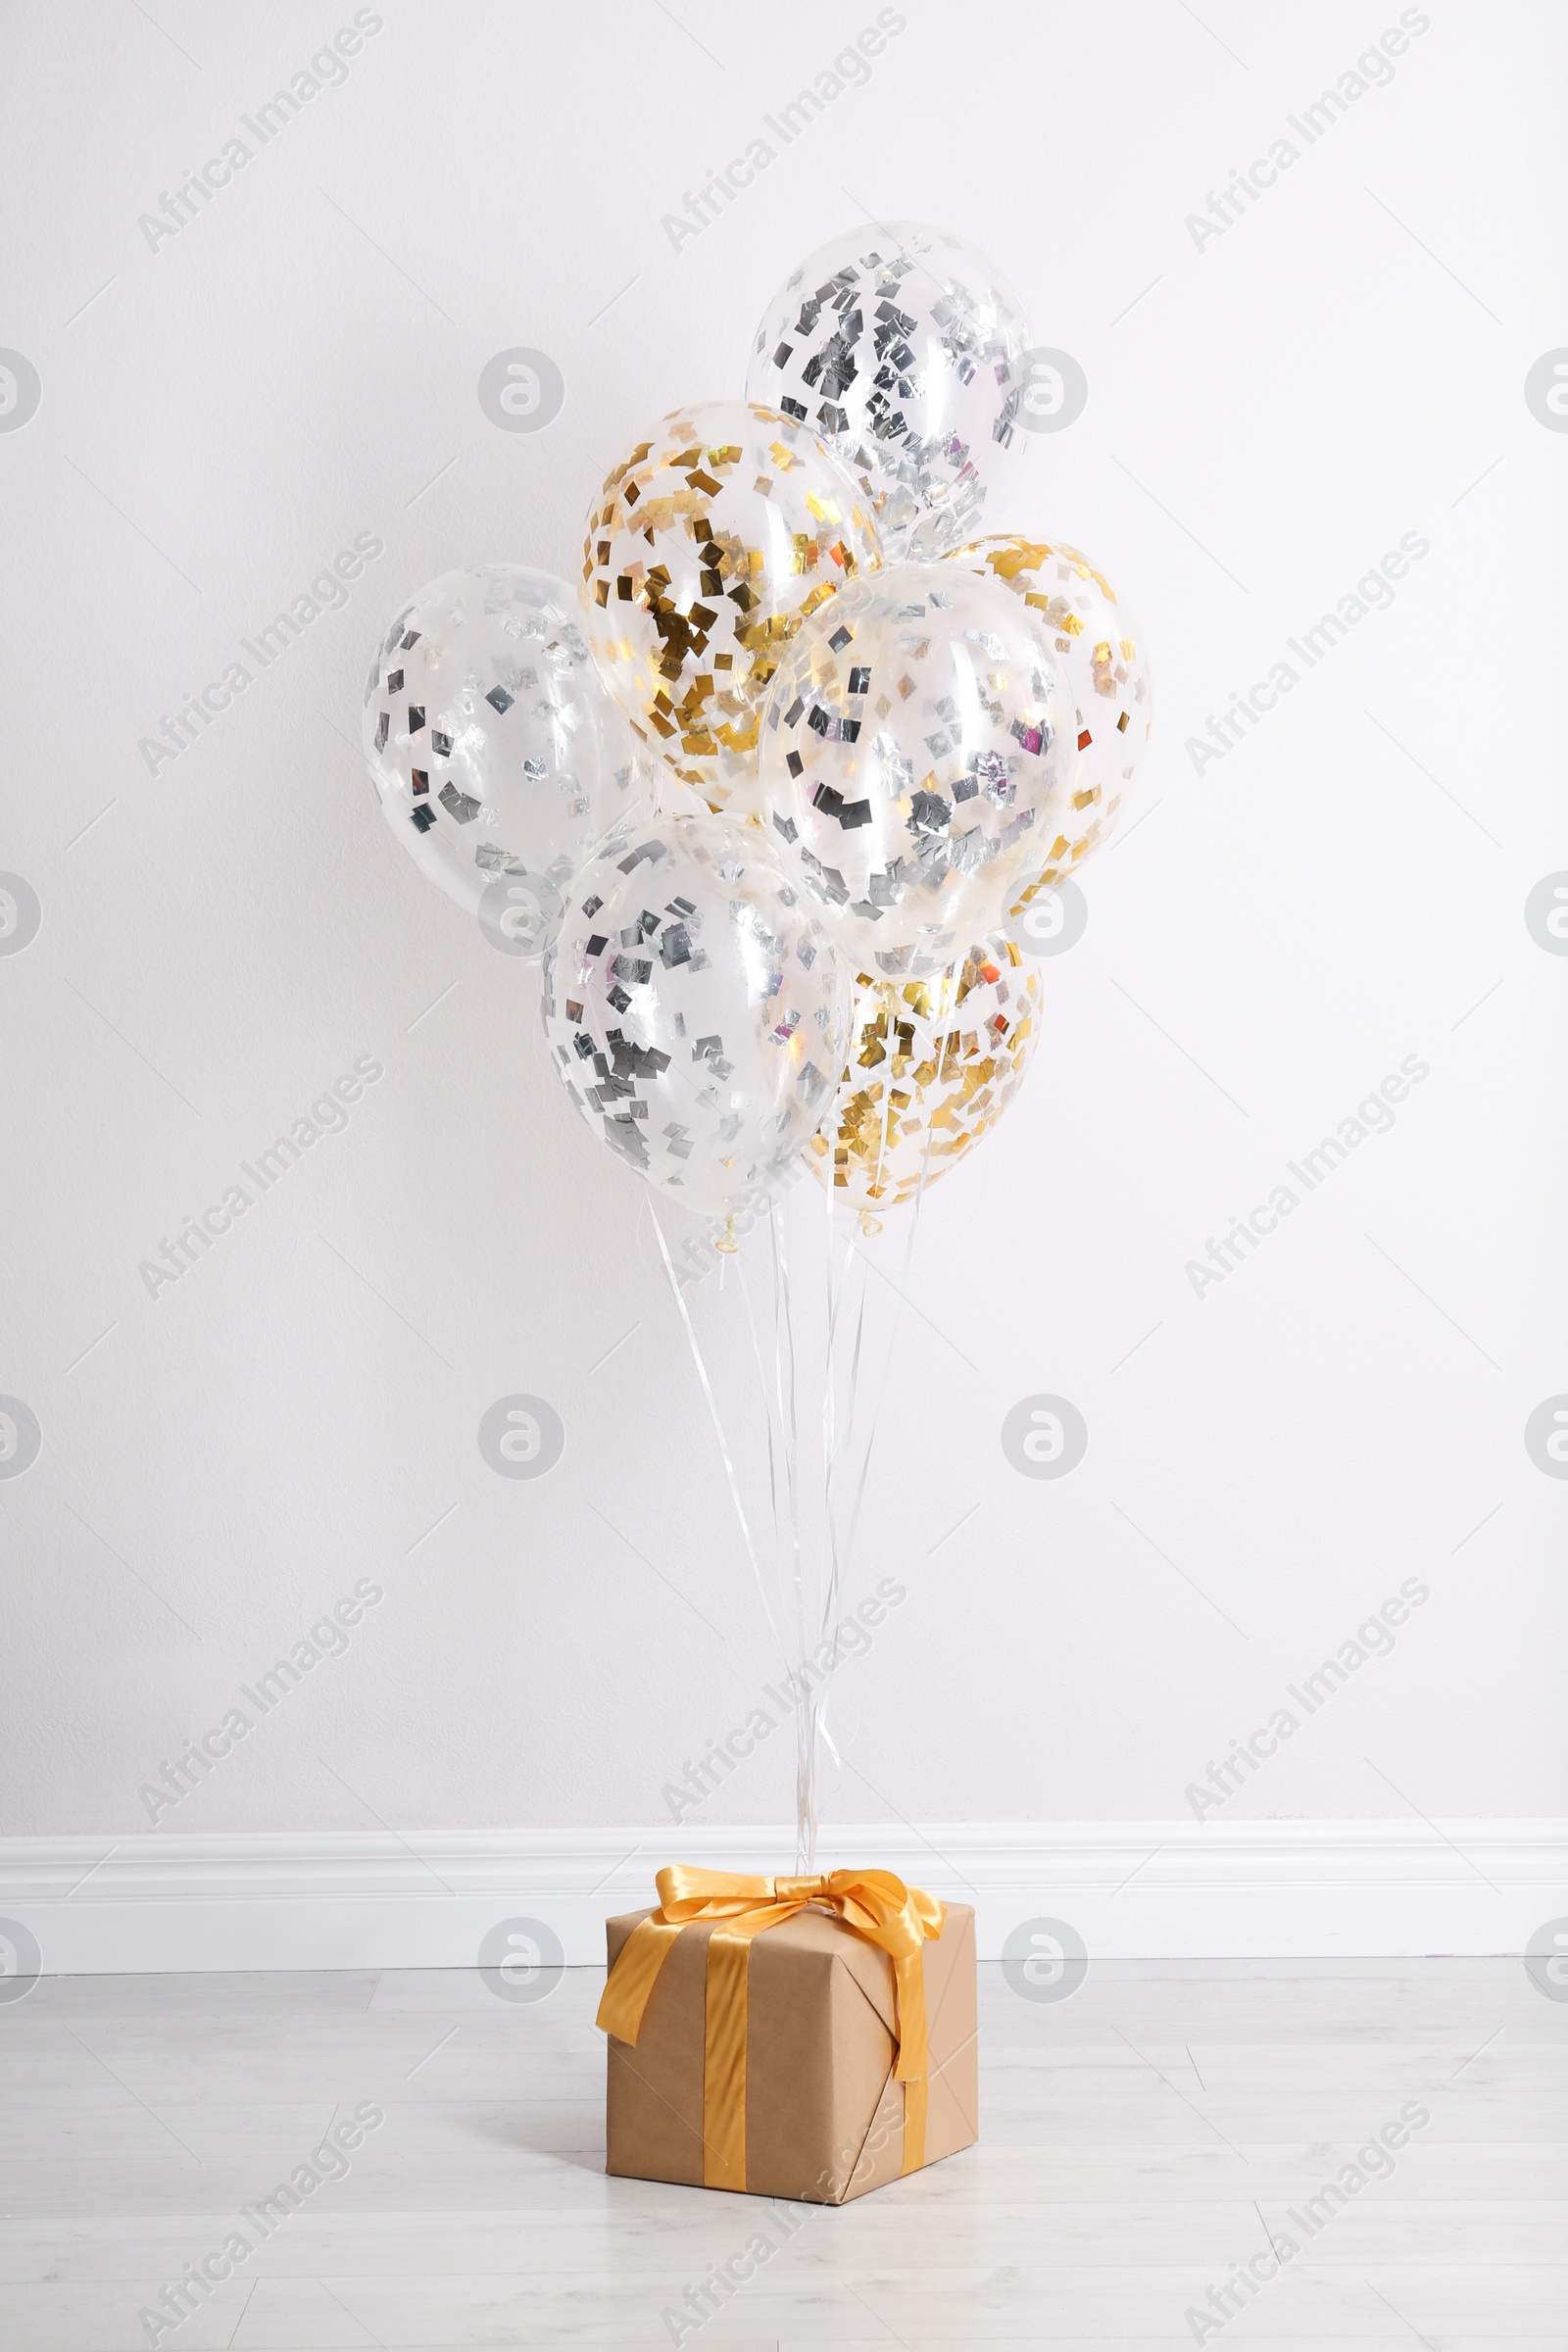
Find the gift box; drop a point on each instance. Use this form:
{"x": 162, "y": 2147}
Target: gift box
{"x": 807, "y": 2038}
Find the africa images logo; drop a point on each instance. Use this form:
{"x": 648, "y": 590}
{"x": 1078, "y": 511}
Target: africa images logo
{"x": 19, "y": 390}
{"x": 20, "y": 1438}
{"x": 19, "y": 914}
{"x": 522, "y": 389}
{"x": 1045, "y": 1437}
{"x": 521, "y": 1437}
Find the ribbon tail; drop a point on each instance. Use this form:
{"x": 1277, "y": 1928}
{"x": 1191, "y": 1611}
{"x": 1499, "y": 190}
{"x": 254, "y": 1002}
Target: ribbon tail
{"x": 914, "y": 2059}
{"x": 909, "y": 1978}
{"x": 632, "y": 1978}
{"x": 914, "y": 2102}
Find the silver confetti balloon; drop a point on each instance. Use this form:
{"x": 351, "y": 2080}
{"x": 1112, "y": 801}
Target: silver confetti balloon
{"x": 695, "y": 1010}
{"x": 899, "y": 347}
{"x": 917, "y": 761}
{"x": 499, "y": 758}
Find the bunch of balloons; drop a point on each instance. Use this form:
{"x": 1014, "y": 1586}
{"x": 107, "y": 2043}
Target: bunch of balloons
{"x": 769, "y": 789}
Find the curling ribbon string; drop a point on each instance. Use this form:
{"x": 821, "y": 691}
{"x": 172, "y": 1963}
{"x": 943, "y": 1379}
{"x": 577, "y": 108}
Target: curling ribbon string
{"x": 784, "y": 1346}
{"x": 897, "y": 1320}
{"x": 898, "y": 1919}
{"x": 718, "y": 1431}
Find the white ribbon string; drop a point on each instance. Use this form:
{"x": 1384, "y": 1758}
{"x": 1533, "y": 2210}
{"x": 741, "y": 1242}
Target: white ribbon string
{"x": 837, "y": 1444}
{"x": 719, "y": 1429}
{"x": 785, "y": 1352}
{"x": 897, "y": 1318}
{"x": 768, "y": 1409}
{"x": 838, "y": 1437}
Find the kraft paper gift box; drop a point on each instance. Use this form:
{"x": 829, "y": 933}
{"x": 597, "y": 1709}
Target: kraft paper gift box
{"x": 825, "y": 2118}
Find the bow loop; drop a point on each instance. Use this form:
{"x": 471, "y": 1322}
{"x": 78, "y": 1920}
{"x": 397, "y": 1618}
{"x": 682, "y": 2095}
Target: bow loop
{"x": 685, "y": 1893}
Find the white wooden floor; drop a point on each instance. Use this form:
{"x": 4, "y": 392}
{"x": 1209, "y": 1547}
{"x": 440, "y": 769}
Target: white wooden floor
{"x": 1139, "y": 2141}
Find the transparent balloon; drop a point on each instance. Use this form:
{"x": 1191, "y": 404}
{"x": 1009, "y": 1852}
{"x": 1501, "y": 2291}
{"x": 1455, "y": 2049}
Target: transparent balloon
{"x": 901, "y": 347}
{"x": 917, "y": 761}
{"x": 500, "y": 760}
{"x": 708, "y": 546}
{"x": 1103, "y": 652}
{"x": 932, "y": 1066}
{"x": 695, "y": 1010}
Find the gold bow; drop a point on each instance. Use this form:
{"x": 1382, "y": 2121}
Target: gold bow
{"x": 873, "y": 1903}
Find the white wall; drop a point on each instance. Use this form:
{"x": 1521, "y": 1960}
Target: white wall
{"x": 1268, "y": 413}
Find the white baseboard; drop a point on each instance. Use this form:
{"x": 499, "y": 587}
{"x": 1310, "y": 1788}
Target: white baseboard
{"x": 1131, "y": 1889}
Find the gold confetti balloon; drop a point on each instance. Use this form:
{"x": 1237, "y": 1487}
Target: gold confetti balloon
{"x": 1102, "y": 653}
{"x": 917, "y": 751}
{"x": 932, "y": 1066}
{"x": 710, "y": 543}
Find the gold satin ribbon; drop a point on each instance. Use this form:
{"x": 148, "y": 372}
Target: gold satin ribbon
{"x": 874, "y": 1904}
